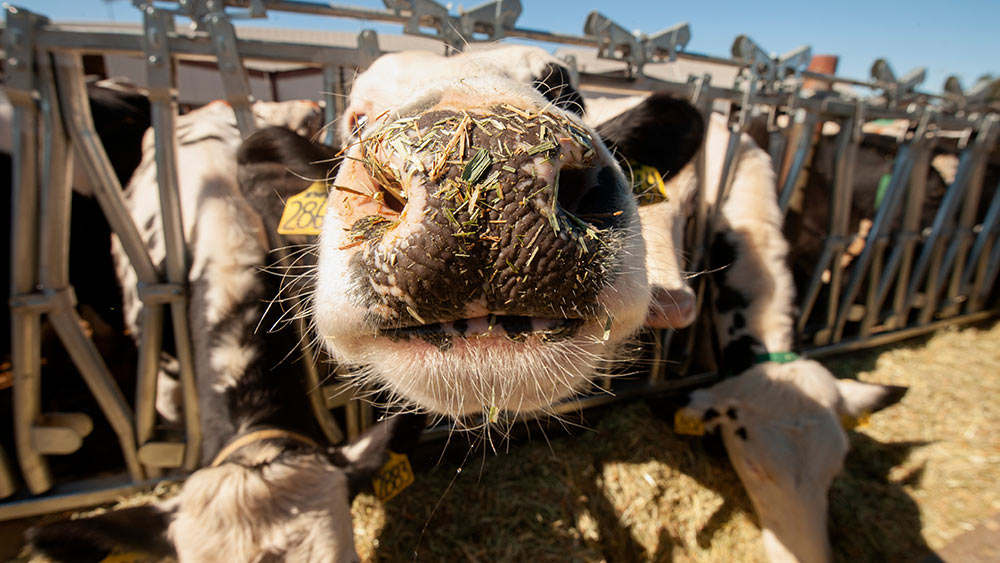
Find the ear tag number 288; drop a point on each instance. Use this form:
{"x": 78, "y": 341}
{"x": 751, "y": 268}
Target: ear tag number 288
{"x": 304, "y": 211}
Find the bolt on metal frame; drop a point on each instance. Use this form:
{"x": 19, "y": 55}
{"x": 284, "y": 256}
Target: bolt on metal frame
{"x": 946, "y": 270}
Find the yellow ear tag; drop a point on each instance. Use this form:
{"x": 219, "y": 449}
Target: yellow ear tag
{"x": 649, "y": 186}
{"x": 393, "y": 477}
{"x": 850, "y": 423}
{"x": 125, "y": 557}
{"x": 304, "y": 211}
{"x": 688, "y": 425}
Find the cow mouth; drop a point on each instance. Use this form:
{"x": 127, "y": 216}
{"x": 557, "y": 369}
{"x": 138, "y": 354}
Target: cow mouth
{"x": 517, "y": 328}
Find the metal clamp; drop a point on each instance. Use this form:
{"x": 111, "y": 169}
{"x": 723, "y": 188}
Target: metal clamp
{"x": 635, "y": 49}
{"x": 368, "y": 49}
{"x": 490, "y": 19}
{"x": 976, "y": 97}
{"x": 896, "y": 90}
{"x": 769, "y": 68}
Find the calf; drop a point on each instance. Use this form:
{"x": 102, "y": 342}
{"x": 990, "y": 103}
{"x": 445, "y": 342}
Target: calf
{"x": 272, "y": 488}
{"x": 481, "y": 249}
{"x": 780, "y": 416}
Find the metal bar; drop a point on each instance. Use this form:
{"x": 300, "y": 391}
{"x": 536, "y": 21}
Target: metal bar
{"x": 55, "y": 193}
{"x": 806, "y": 125}
{"x": 331, "y": 90}
{"x": 957, "y": 255}
{"x": 62, "y": 314}
{"x": 978, "y": 264}
{"x": 162, "y": 97}
{"x": 990, "y": 276}
{"x": 79, "y": 494}
{"x": 19, "y": 39}
{"x": 900, "y": 177}
{"x": 107, "y": 189}
{"x": 235, "y": 82}
{"x": 929, "y": 262}
{"x": 855, "y": 344}
{"x": 840, "y": 217}
{"x": 902, "y": 254}
{"x": 848, "y": 142}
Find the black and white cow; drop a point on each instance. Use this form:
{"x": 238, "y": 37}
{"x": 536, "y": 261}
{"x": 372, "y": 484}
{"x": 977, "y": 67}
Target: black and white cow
{"x": 480, "y": 252}
{"x": 779, "y": 415}
{"x": 272, "y": 488}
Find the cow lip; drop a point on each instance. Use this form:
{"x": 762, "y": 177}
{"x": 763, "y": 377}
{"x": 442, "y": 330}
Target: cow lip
{"x": 511, "y": 326}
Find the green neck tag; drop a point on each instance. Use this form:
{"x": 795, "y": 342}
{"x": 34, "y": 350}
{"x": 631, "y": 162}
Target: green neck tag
{"x": 777, "y": 357}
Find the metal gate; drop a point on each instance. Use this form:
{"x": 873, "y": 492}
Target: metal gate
{"x": 909, "y": 277}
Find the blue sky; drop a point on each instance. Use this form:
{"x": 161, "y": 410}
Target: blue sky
{"x": 959, "y": 37}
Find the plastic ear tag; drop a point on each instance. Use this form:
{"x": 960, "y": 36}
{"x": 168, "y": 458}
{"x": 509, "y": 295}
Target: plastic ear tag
{"x": 850, "y": 422}
{"x": 649, "y": 186}
{"x": 393, "y": 477}
{"x": 125, "y": 557}
{"x": 688, "y": 425}
{"x": 304, "y": 211}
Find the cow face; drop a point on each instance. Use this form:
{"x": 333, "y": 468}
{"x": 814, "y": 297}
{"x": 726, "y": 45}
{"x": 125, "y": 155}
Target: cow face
{"x": 782, "y": 428}
{"x": 481, "y": 247}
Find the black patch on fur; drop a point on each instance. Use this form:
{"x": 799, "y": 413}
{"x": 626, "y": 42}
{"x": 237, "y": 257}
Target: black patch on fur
{"x": 738, "y": 355}
{"x": 91, "y": 539}
{"x": 731, "y": 413}
{"x": 739, "y": 321}
{"x": 121, "y": 120}
{"x": 662, "y": 131}
{"x": 722, "y": 255}
{"x": 276, "y": 163}
{"x": 556, "y": 86}
{"x": 742, "y": 433}
{"x": 710, "y": 414}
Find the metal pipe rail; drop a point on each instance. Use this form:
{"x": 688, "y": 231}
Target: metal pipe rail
{"x": 946, "y": 271}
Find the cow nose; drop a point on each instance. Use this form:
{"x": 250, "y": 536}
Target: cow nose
{"x": 500, "y": 211}
{"x": 547, "y": 159}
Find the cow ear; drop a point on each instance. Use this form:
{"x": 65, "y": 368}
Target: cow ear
{"x": 556, "y": 84}
{"x": 368, "y": 452}
{"x": 142, "y": 528}
{"x": 275, "y": 163}
{"x": 866, "y": 398}
{"x": 662, "y": 132}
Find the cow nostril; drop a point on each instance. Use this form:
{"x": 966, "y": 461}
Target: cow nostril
{"x": 592, "y": 194}
{"x": 393, "y": 195}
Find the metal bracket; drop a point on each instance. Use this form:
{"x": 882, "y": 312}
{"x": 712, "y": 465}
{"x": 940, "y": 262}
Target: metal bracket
{"x": 18, "y": 42}
{"x": 490, "y": 19}
{"x": 896, "y": 90}
{"x": 769, "y": 68}
{"x": 368, "y": 49}
{"x": 635, "y": 49}
{"x": 235, "y": 81}
{"x": 973, "y": 98}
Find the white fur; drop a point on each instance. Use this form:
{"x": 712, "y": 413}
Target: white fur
{"x": 293, "y": 510}
{"x": 795, "y": 446}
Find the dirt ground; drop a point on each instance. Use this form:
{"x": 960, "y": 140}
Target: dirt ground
{"x": 627, "y": 488}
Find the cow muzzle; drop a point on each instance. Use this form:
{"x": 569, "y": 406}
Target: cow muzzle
{"x": 501, "y": 214}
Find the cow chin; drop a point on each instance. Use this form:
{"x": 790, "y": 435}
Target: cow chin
{"x": 487, "y": 373}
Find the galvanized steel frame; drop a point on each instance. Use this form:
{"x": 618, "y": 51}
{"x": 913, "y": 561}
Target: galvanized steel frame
{"x": 949, "y": 281}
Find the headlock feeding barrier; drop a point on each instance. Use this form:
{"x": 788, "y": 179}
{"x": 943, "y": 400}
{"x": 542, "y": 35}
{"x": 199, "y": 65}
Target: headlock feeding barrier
{"x": 914, "y": 271}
